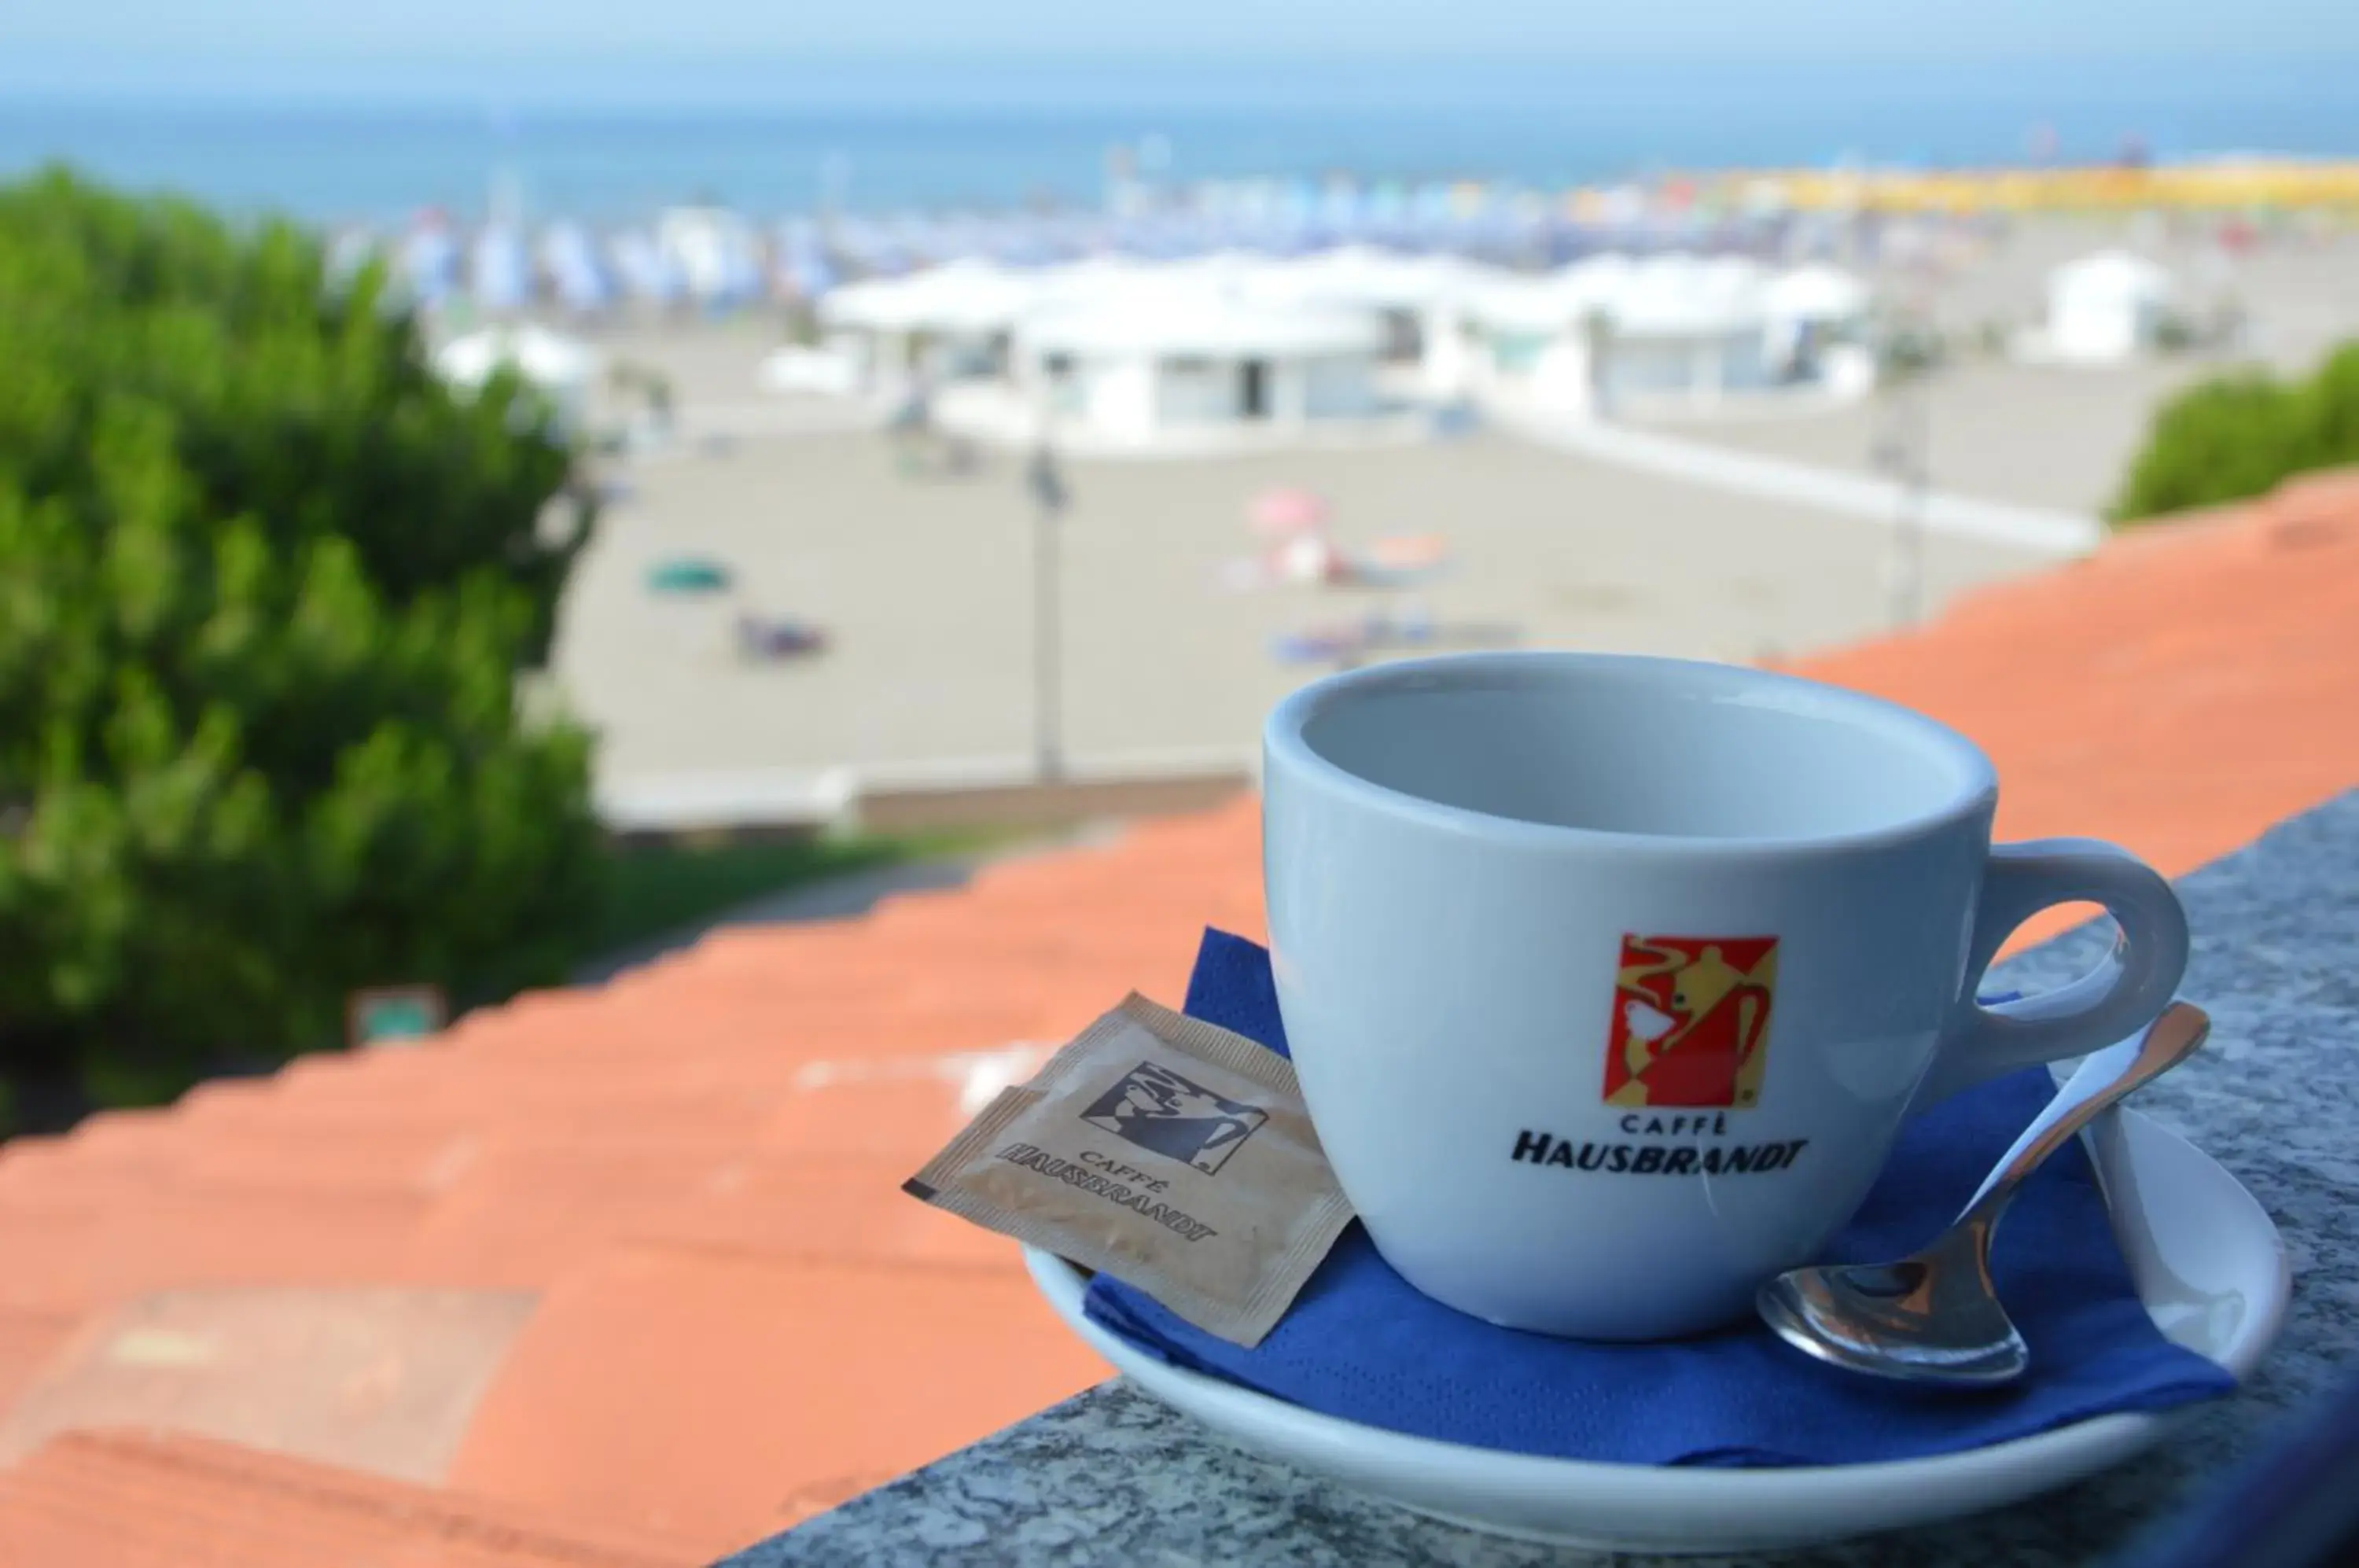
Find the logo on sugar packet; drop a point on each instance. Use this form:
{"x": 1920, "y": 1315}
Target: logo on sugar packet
{"x": 1163, "y": 1113}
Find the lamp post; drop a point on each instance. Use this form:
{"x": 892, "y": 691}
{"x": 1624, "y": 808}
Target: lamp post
{"x": 1906, "y": 583}
{"x": 1050, "y": 499}
{"x": 1903, "y": 449}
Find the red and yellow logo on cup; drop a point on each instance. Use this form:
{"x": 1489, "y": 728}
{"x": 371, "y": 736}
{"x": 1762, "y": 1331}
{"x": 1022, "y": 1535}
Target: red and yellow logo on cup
{"x": 1691, "y": 1018}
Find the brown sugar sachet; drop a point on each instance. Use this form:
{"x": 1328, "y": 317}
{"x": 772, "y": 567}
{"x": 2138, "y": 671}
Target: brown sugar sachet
{"x": 1165, "y": 1152}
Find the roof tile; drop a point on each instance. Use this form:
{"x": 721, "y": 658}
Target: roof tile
{"x": 687, "y": 1392}
{"x": 50, "y": 1254}
{"x": 381, "y": 1379}
{"x": 840, "y": 1208}
{"x": 29, "y": 1342}
{"x": 111, "y": 1499}
{"x": 177, "y": 1236}
{"x": 528, "y": 1209}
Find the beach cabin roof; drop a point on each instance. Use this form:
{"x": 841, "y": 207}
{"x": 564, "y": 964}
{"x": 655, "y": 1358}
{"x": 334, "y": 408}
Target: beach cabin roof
{"x": 1593, "y": 283}
{"x": 1667, "y": 296}
{"x": 1676, "y": 295}
{"x": 1816, "y": 293}
{"x": 977, "y": 296}
{"x": 1667, "y": 314}
{"x": 1520, "y": 302}
{"x": 1363, "y": 277}
{"x": 1090, "y": 277}
{"x": 547, "y": 359}
{"x": 1172, "y": 322}
{"x": 1228, "y": 267}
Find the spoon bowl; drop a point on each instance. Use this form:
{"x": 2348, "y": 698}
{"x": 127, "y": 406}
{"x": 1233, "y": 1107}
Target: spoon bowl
{"x": 1853, "y": 1317}
{"x": 1935, "y": 1316}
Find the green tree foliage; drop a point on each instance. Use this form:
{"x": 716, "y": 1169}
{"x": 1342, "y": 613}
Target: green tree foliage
{"x": 265, "y": 586}
{"x": 2235, "y": 437}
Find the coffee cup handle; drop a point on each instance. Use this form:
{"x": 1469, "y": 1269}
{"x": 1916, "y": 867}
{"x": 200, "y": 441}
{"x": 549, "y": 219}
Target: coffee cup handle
{"x": 2120, "y": 996}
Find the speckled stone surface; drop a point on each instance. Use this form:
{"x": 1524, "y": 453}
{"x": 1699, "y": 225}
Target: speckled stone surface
{"x": 1114, "y": 1478}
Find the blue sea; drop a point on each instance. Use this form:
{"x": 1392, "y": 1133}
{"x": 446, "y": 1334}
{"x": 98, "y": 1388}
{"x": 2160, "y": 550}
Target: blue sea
{"x": 980, "y": 134}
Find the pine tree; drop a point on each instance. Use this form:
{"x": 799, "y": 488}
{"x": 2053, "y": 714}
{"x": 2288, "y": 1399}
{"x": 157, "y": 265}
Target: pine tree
{"x": 266, "y": 585}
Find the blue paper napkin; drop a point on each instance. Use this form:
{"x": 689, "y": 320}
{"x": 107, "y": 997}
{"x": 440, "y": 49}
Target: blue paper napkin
{"x": 1361, "y": 1343}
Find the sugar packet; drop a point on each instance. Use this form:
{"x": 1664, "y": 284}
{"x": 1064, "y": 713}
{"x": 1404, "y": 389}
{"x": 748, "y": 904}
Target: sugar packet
{"x": 1165, "y": 1152}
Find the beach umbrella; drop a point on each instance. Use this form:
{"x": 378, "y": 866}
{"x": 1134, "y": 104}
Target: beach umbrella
{"x": 571, "y": 264}
{"x": 644, "y": 271}
{"x": 712, "y": 251}
{"x": 810, "y": 276}
{"x": 499, "y": 274}
{"x": 428, "y": 263}
{"x": 1338, "y": 208}
{"x": 1285, "y": 511}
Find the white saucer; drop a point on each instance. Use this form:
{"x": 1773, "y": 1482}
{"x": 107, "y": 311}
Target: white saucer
{"x": 2208, "y": 1264}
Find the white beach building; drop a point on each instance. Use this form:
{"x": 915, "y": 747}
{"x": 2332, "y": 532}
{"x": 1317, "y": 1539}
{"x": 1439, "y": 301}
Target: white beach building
{"x": 1508, "y": 333}
{"x": 1672, "y": 329}
{"x": 1812, "y": 310}
{"x": 1154, "y": 364}
{"x": 1688, "y": 329}
{"x": 949, "y": 322}
{"x": 2105, "y": 308}
{"x": 1403, "y": 290}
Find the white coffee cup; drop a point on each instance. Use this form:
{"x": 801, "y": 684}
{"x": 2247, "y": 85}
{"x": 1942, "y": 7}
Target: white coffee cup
{"x": 1535, "y": 915}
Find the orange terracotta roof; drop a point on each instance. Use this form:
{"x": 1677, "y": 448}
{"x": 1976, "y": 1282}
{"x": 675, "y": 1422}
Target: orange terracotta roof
{"x": 113, "y": 1500}
{"x": 2175, "y": 692}
{"x": 688, "y": 1176}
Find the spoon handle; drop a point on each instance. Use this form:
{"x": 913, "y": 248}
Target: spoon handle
{"x": 2103, "y": 1081}
{"x": 2097, "y": 1069}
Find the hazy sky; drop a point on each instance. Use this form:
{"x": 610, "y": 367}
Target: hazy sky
{"x": 90, "y": 34}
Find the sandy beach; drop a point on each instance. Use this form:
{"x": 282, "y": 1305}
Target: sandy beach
{"x": 923, "y": 586}
{"x": 2060, "y": 435}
